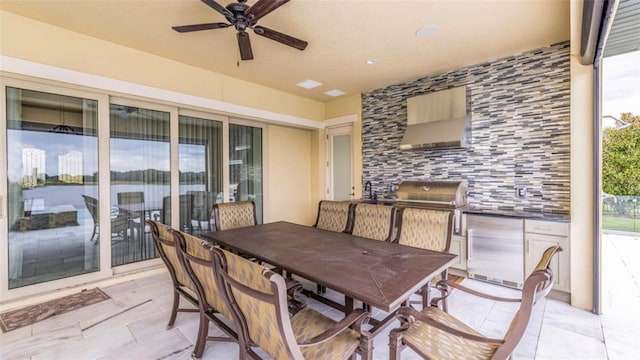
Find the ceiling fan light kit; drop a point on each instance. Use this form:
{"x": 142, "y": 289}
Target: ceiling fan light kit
{"x": 242, "y": 17}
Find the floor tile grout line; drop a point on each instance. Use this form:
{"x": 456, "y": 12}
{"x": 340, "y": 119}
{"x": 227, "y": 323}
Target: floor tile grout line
{"x": 604, "y": 338}
{"x": 116, "y": 314}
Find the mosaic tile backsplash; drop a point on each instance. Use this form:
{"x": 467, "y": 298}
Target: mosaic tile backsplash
{"x": 520, "y": 131}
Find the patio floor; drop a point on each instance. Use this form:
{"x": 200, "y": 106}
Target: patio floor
{"x": 132, "y": 324}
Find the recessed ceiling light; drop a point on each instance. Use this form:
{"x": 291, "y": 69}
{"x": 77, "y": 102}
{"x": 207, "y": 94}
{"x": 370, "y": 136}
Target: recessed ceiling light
{"x": 371, "y": 61}
{"x": 427, "y": 31}
{"x": 308, "y": 84}
{"x": 335, "y": 92}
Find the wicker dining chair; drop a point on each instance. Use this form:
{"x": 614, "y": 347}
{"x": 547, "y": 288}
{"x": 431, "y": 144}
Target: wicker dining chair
{"x": 336, "y": 216}
{"x": 182, "y": 285}
{"x": 234, "y": 215}
{"x": 427, "y": 229}
{"x": 373, "y": 221}
{"x": 435, "y": 334}
{"x": 212, "y": 307}
{"x": 259, "y": 302}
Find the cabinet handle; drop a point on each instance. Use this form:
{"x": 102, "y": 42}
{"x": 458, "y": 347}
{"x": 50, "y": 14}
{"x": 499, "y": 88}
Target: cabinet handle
{"x": 469, "y": 241}
{"x": 543, "y": 228}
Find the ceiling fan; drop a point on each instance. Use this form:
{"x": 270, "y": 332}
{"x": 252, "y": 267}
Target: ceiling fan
{"x": 243, "y": 17}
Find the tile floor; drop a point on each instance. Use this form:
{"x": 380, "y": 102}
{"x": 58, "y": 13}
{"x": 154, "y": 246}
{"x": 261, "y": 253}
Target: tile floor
{"x": 132, "y": 324}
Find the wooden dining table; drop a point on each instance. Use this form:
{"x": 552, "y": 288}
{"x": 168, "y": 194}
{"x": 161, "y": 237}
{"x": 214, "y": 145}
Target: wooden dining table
{"x": 377, "y": 273}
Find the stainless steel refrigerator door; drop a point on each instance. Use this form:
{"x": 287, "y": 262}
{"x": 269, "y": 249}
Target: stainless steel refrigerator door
{"x": 496, "y": 248}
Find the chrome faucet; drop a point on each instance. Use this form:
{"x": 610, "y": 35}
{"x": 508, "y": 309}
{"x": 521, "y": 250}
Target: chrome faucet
{"x": 367, "y": 186}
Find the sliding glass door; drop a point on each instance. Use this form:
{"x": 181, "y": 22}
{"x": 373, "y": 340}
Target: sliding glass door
{"x": 200, "y": 171}
{"x": 245, "y": 165}
{"x": 52, "y": 168}
{"x": 140, "y": 179}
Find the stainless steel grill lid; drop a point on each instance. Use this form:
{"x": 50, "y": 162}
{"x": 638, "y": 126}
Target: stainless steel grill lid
{"x": 444, "y": 193}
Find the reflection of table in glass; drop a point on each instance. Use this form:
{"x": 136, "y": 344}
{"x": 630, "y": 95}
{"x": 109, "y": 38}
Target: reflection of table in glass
{"x": 48, "y": 218}
{"x": 139, "y": 212}
{"x": 378, "y": 273}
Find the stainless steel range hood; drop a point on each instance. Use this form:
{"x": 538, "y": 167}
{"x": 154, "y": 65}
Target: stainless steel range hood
{"x": 438, "y": 120}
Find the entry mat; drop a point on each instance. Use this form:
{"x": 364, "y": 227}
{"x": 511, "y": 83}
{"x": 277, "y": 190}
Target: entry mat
{"x": 15, "y": 319}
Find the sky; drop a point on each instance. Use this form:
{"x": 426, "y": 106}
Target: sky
{"x": 621, "y": 84}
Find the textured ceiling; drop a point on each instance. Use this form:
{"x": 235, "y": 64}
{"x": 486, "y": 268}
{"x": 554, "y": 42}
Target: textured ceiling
{"x": 342, "y": 35}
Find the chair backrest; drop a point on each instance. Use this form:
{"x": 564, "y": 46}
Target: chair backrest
{"x": 165, "y": 215}
{"x": 202, "y": 204}
{"x": 185, "y": 211}
{"x": 167, "y": 248}
{"x": 130, "y": 197}
{"x": 92, "y": 207}
{"x": 536, "y": 287}
{"x": 335, "y": 216}
{"x": 198, "y": 263}
{"x": 234, "y": 215}
{"x": 373, "y": 221}
{"x": 259, "y": 300}
{"x": 425, "y": 228}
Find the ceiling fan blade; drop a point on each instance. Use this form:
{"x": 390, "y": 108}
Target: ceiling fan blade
{"x": 262, "y": 8}
{"x": 280, "y": 37}
{"x": 245, "y": 46}
{"x": 198, "y": 27}
{"x": 219, "y": 8}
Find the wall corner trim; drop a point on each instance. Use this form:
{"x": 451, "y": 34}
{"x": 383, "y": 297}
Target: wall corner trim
{"x": 49, "y": 72}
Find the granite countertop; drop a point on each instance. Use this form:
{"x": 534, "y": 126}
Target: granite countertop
{"x": 526, "y": 214}
{"x": 519, "y": 213}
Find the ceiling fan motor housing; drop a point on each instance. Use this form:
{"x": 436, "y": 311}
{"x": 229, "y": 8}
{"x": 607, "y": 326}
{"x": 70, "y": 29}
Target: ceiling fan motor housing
{"x": 239, "y": 20}
{"x": 243, "y": 17}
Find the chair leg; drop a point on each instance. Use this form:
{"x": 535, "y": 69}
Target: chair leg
{"x": 201, "y": 341}
{"x": 174, "y": 309}
{"x": 426, "y": 295}
{"x": 395, "y": 345}
{"x": 365, "y": 348}
{"x": 445, "y": 307}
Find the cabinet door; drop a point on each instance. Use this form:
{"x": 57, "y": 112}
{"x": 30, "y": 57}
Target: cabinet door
{"x": 536, "y": 245}
{"x": 459, "y": 247}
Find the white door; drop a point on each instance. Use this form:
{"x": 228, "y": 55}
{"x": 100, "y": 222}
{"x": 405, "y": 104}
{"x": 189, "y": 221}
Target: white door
{"x": 340, "y": 163}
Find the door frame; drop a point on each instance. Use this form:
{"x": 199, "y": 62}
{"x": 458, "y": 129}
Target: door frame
{"x": 338, "y": 126}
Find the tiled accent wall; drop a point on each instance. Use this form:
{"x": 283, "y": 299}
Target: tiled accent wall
{"x": 520, "y": 133}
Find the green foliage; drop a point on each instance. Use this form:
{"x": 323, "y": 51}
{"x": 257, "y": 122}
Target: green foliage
{"x": 621, "y": 158}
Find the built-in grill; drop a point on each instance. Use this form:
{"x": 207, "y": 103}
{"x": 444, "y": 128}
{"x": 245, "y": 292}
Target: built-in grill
{"x": 434, "y": 194}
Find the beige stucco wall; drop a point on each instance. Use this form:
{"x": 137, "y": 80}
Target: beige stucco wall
{"x": 582, "y": 185}
{"x": 288, "y": 171}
